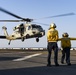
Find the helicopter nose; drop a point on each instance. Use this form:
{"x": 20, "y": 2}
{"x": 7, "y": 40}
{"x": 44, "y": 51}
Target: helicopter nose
{"x": 43, "y": 33}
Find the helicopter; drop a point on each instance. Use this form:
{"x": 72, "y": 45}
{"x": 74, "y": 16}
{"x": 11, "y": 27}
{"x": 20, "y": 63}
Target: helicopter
{"x": 25, "y": 30}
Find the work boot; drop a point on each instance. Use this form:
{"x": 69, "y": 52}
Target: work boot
{"x": 57, "y": 64}
{"x": 69, "y": 64}
{"x": 48, "y": 65}
{"x": 62, "y": 62}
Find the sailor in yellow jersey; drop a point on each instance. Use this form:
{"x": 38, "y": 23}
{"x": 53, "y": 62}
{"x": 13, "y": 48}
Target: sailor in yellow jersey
{"x": 52, "y": 38}
{"x": 66, "y": 45}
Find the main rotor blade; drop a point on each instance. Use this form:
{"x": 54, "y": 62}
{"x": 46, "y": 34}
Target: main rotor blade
{"x": 61, "y": 15}
{"x": 41, "y": 23}
{"x": 5, "y": 11}
{"x": 12, "y": 21}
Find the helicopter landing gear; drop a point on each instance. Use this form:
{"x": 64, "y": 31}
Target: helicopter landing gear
{"x": 9, "y": 42}
{"x": 37, "y": 39}
{"x": 27, "y": 36}
{"x": 22, "y": 39}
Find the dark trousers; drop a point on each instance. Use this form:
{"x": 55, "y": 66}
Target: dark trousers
{"x": 52, "y": 46}
{"x": 66, "y": 53}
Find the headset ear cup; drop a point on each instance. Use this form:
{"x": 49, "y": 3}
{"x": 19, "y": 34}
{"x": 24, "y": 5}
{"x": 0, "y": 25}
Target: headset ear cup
{"x": 55, "y": 26}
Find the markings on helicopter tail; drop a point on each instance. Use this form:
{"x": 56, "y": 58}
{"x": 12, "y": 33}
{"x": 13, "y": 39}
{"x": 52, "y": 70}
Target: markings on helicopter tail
{"x": 27, "y": 57}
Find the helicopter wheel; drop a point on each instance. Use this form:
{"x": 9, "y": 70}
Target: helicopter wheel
{"x": 9, "y": 42}
{"x": 37, "y": 39}
{"x": 22, "y": 39}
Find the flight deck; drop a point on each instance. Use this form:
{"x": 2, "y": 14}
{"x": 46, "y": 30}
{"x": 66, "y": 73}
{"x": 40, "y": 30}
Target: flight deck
{"x": 33, "y": 62}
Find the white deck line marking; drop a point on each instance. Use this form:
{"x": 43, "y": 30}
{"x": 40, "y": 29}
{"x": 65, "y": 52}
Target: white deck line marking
{"x": 27, "y": 57}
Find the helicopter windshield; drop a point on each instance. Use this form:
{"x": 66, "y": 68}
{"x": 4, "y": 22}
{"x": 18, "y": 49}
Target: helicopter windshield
{"x": 36, "y": 26}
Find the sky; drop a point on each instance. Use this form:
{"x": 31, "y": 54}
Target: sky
{"x": 36, "y": 9}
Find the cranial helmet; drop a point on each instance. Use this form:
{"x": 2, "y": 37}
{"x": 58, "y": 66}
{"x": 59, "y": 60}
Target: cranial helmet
{"x": 53, "y": 25}
{"x": 65, "y": 35}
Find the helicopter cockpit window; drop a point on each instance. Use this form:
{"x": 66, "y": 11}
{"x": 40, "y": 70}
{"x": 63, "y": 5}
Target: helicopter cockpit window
{"x": 29, "y": 27}
{"x": 36, "y": 26}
